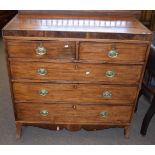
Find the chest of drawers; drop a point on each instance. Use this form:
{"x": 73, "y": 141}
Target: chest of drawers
{"x": 75, "y": 72}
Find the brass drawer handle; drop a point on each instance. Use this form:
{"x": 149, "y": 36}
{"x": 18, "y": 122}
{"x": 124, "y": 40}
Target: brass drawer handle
{"x": 42, "y": 71}
{"x": 112, "y": 53}
{"x": 40, "y": 50}
{"x": 103, "y": 114}
{"x": 43, "y": 92}
{"x": 44, "y": 112}
{"x": 110, "y": 73}
{"x": 107, "y": 94}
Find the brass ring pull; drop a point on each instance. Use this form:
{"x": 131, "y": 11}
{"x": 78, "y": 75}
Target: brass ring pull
{"x": 103, "y": 114}
{"x": 112, "y": 53}
{"x": 44, "y": 112}
{"x": 43, "y": 92}
{"x": 40, "y": 50}
{"x": 110, "y": 73}
{"x": 42, "y": 71}
{"x": 107, "y": 94}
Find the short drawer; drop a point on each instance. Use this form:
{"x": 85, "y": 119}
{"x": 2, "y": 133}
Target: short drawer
{"x": 112, "y": 52}
{"x": 73, "y": 114}
{"x": 87, "y": 93}
{"x": 129, "y": 74}
{"x": 41, "y": 49}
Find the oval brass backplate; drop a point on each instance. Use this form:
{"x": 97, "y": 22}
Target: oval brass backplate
{"x": 107, "y": 94}
{"x": 103, "y": 114}
{"x": 42, "y": 71}
{"x": 110, "y": 73}
{"x": 44, "y": 112}
{"x": 40, "y": 50}
{"x": 112, "y": 53}
{"x": 43, "y": 92}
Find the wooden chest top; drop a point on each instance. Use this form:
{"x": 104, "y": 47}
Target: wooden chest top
{"x": 77, "y": 26}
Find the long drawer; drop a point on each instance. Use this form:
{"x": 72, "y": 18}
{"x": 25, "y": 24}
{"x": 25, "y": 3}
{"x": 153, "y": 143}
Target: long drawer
{"x": 41, "y": 49}
{"x": 129, "y": 74}
{"x": 87, "y": 93}
{"x": 73, "y": 114}
{"x": 112, "y": 52}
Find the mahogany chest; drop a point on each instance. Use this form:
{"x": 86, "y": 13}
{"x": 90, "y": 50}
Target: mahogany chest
{"x": 76, "y": 71}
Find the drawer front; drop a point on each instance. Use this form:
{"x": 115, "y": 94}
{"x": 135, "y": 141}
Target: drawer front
{"x": 87, "y": 93}
{"x": 76, "y": 72}
{"x": 109, "y": 52}
{"x": 46, "y": 49}
{"x": 69, "y": 113}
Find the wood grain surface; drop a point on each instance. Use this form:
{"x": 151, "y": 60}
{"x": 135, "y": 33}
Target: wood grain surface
{"x": 124, "y": 74}
{"x": 83, "y": 114}
{"x": 98, "y": 27}
{"x": 78, "y": 93}
{"x": 99, "y": 51}
{"x": 54, "y": 49}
